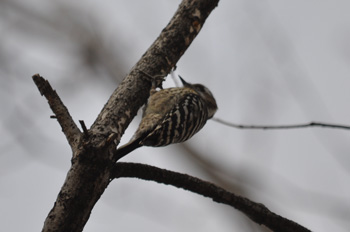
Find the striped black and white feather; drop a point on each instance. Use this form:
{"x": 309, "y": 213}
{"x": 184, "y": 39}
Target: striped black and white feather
{"x": 172, "y": 116}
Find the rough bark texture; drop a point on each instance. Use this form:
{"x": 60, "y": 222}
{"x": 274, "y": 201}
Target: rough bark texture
{"x": 94, "y": 155}
{"x": 158, "y": 60}
{"x": 68, "y": 126}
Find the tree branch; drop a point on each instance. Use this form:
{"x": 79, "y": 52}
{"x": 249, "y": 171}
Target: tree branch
{"x": 256, "y": 211}
{"x": 158, "y": 60}
{"x": 94, "y": 155}
{"x": 274, "y": 127}
{"x": 69, "y": 128}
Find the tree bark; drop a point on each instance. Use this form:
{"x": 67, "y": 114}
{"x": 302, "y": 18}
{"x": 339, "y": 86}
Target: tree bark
{"x": 94, "y": 153}
{"x": 94, "y": 150}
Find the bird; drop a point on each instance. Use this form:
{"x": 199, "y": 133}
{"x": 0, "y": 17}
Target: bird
{"x": 172, "y": 115}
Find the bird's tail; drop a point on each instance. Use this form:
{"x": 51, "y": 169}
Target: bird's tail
{"x": 127, "y": 148}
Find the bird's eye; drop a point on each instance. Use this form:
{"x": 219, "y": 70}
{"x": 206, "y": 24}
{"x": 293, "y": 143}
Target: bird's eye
{"x": 207, "y": 90}
{"x": 200, "y": 88}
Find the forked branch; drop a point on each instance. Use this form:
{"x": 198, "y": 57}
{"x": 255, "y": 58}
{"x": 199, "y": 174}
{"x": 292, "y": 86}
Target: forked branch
{"x": 94, "y": 154}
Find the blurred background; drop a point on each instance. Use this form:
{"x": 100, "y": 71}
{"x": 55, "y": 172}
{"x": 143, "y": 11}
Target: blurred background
{"x": 267, "y": 62}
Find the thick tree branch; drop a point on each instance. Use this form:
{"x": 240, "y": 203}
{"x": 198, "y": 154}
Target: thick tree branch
{"x": 94, "y": 155}
{"x": 276, "y": 127}
{"x": 158, "y": 60}
{"x": 69, "y": 128}
{"x": 257, "y": 212}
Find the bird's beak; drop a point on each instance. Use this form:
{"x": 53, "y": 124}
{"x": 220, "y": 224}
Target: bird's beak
{"x": 183, "y": 81}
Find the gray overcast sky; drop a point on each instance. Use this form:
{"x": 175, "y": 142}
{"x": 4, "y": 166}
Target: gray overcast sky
{"x": 267, "y": 62}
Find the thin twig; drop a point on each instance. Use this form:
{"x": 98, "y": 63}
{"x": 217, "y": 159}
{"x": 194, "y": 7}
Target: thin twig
{"x": 85, "y": 130}
{"x": 256, "y": 211}
{"x": 275, "y": 127}
{"x": 69, "y": 128}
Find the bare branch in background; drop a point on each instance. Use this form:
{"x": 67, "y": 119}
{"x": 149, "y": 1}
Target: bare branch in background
{"x": 90, "y": 46}
{"x": 276, "y": 127}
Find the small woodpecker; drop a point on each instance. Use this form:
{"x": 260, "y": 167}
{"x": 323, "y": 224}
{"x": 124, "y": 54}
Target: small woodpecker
{"x": 172, "y": 115}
